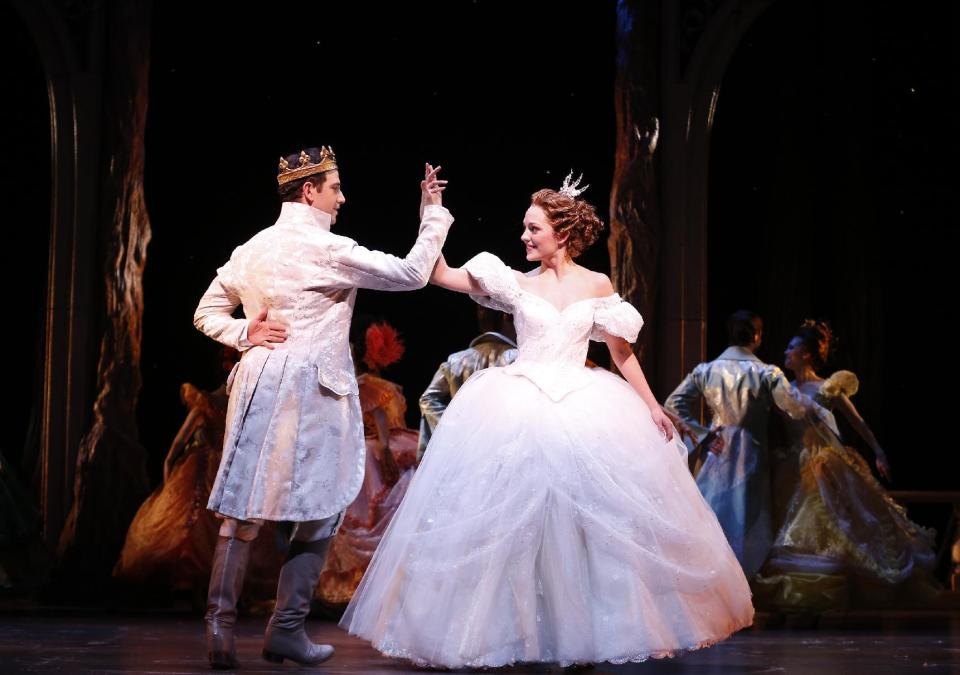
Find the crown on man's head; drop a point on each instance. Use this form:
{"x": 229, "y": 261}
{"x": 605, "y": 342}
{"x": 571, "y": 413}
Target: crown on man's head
{"x": 310, "y": 161}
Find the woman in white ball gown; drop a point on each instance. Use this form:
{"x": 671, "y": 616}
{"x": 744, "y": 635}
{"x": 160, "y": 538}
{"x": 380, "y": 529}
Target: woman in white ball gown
{"x": 553, "y": 518}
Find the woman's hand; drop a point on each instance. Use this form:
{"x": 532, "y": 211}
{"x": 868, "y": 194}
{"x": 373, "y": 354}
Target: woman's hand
{"x": 662, "y": 420}
{"x": 883, "y": 466}
{"x": 431, "y": 188}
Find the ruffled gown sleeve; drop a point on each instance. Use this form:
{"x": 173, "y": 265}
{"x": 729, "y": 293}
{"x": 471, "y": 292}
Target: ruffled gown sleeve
{"x": 501, "y": 290}
{"x": 614, "y": 316}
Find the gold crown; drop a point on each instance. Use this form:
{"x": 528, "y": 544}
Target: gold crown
{"x": 306, "y": 166}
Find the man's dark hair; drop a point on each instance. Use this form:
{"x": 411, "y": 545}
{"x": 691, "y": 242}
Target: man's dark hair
{"x": 741, "y": 327}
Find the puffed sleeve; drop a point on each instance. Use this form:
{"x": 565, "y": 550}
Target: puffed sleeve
{"x": 841, "y": 382}
{"x": 502, "y": 292}
{"x": 614, "y": 316}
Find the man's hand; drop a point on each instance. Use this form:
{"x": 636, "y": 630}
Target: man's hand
{"x": 714, "y": 441}
{"x": 265, "y": 333}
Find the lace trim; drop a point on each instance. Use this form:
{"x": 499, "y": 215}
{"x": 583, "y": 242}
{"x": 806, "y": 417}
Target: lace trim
{"x": 639, "y": 657}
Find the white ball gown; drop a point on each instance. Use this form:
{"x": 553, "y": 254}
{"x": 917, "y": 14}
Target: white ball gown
{"x": 549, "y": 521}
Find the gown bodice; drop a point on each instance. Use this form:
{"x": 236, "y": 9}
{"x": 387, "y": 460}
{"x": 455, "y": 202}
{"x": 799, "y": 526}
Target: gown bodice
{"x": 552, "y": 343}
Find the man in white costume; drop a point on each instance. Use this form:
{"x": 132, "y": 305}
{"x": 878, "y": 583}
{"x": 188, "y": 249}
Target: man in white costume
{"x": 294, "y": 446}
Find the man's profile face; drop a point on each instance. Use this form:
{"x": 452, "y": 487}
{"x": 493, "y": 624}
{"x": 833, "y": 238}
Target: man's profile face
{"x": 757, "y": 332}
{"x": 328, "y": 198}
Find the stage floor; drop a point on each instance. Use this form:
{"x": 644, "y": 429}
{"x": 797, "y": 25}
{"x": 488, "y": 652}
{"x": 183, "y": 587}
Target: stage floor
{"x": 79, "y": 644}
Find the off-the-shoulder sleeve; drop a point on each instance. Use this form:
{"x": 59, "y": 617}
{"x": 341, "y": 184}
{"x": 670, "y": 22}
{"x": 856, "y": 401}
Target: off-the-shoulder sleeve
{"x": 615, "y": 316}
{"x": 496, "y": 279}
{"x": 841, "y": 382}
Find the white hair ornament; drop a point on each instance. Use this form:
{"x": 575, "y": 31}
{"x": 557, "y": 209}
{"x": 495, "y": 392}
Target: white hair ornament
{"x": 570, "y": 188}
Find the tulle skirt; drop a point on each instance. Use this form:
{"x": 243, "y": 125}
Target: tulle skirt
{"x": 561, "y": 531}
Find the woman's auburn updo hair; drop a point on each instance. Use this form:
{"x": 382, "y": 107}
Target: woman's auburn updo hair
{"x": 570, "y": 217}
{"x": 818, "y": 340}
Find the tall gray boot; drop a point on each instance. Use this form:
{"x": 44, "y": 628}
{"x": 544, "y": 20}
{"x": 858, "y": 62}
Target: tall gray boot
{"x": 226, "y": 582}
{"x": 285, "y": 637}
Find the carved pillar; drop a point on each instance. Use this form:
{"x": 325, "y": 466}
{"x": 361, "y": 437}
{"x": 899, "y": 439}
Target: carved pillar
{"x": 658, "y": 243}
{"x": 96, "y": 57}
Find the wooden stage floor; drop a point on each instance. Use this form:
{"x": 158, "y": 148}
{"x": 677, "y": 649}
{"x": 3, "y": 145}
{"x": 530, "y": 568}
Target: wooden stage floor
{"x": 79, "y": 644}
